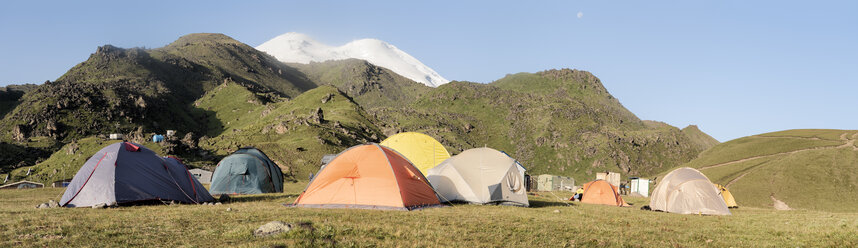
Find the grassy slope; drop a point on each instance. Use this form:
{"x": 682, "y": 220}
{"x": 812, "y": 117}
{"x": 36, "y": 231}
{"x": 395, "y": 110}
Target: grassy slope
{"x": 223, "y": 57}
{"x": 286, "y": 131}
{"x": 699, "y": 137}
{"x": 10, "y": 94}
{"x": 371, "y": 86}
{"x": 820, "y": 177}
{"x": 460, "y": 226}
{"x": 559, "y": 121}
{"x": 756, "y": 146}
{"x": 117, "y": 90}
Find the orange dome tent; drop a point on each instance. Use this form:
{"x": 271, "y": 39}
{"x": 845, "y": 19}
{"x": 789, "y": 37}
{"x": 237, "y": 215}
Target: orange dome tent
{"x": 369, "y": 176}
{"x": 602, "y": 192}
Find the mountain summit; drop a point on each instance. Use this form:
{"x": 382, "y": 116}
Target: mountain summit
{"x": 300, "y": 48}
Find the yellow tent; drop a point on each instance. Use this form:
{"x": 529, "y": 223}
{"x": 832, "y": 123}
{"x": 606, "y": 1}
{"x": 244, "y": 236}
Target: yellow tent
{"x": 422, "y": 150}
{"x": 728, "y": 197}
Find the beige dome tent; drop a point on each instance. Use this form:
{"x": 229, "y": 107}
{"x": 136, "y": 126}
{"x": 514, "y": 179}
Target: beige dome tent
{"x": 480, "y": 176}
{"x": 687, "y": 191}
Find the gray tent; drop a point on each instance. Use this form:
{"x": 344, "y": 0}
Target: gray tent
{"x": 247, "y": 171}
{"x": 480, "y": 176}
{"x": 687, "y": 191}
{"x": 126, "y": 172}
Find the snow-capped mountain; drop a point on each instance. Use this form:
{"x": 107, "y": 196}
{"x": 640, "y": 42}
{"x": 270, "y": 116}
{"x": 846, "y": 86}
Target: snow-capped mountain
{"x": 299, "y": 48}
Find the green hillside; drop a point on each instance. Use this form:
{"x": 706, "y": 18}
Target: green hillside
{"x": 10, "y": 96}
{"x": 295, "y": 133}
{"x": 370, "y": 85}
{"x": 558, "y": 121}
{"x": 220, "y": 94}
{"x": 117, "y": 90}
{"x": 806, "y": 169}
{"x": 700, "y": 138}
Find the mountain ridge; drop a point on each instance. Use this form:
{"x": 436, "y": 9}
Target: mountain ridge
{"x": 299, "y": 48}
{"x": 220, "y": 94}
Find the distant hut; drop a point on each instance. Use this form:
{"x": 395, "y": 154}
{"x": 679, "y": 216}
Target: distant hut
{"x": 639, "y": 186}
{"x": 22, "y": 185}
{"x": 61, "y": 183}
{"x": 611, "y": 177}
{"x": 203, "y": 176}
{"x": 546, "y": 182}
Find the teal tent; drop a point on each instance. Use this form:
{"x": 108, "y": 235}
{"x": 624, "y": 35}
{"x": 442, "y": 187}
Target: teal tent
{"x": 246, "y": 171}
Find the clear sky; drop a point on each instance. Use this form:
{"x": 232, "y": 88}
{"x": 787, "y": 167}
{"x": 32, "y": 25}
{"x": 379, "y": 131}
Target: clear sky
{"x": 734, "y": 68}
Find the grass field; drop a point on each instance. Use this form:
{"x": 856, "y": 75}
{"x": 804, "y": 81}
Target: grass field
{"x": 457, "y": 226}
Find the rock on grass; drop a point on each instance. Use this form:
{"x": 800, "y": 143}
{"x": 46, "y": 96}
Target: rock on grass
{"x": 272, "y": 228}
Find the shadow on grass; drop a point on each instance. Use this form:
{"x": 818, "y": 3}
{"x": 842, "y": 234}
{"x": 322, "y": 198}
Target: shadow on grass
{"x": 261, "y": 197}
{"x": 545, "y": 204}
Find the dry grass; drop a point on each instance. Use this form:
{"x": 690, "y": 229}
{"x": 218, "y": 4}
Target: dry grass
{"x": 460, "y": 225}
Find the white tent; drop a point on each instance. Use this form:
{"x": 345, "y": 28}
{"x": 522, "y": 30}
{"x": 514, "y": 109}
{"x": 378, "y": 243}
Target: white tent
{"x": 687, "y": 191}
{"x": 480, "y": 176}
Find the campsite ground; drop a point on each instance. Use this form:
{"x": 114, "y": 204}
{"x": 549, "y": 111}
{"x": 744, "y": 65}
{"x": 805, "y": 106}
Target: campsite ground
{"x": 460, "y": 225}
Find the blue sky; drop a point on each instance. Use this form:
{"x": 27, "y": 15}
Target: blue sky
{"x": 734, "y": 68}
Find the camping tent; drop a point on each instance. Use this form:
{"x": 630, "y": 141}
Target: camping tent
{"x": 481, "y": 176}
{"x": 247, "y": 171}
{"x": 728, "y": 197}
{"x": 126, "y": 172}
{"x": 368, "y": 176}
{"x": 687, "y": 191}
{"x": 602, "y": 192}
{"x": 422, "y": 150}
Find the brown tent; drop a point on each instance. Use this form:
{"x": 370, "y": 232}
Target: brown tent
{"x": 602, "y": 192}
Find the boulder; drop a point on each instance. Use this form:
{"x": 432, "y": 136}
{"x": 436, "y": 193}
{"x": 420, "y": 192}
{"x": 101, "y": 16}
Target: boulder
{"x": 272, "y": 228}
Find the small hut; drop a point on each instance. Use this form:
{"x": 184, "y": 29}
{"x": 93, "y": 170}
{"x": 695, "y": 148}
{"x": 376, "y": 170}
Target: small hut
{"x": 546, "y": 182}
{"x": 639, "y": 186}
{"x": 22, "y": 185}
{"x": 61, "y": 183}
{"x": 203, "y": 176}
{"x": 611, "y": 177}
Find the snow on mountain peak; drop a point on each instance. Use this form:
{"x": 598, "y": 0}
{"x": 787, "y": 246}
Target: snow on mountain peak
{"x": 299, "y": 48}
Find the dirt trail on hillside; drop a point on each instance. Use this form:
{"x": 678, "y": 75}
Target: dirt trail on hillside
{"x": 779, "y": 205}
{"x": 854, "y": 137}
{"x": 741, "y": 176}
{"x": 790, "y": 137}
{"x": 848, "y": 143}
